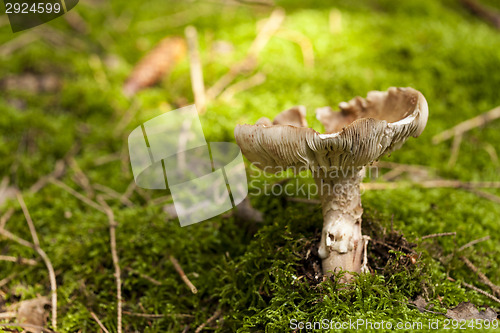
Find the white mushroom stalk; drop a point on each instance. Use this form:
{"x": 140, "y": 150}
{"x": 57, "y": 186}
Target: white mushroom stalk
{"x": 363, "y": 131}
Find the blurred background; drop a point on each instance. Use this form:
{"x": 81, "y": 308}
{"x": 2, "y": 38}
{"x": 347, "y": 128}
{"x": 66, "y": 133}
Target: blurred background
{"x": 74, "y": 88}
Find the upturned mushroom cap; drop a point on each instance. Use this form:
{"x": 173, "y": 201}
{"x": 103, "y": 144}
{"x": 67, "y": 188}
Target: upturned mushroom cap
{"x": 363, "y": 131}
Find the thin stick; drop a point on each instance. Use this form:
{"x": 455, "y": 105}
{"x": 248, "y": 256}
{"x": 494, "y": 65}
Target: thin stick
{"x": 144, "y": 315}
{"x": 195, "y": 68}
{"x": 6, "y": 280}
{"x": 268, "y": 30}
{"x": 43, "y": 255}
{"x": 209, "y": 320}
{"x": 467, "y": 125}
{"x": 243, "y": 85}
{"x": 474, "y": 242}
{"x": 7, "y": 315}
{"x": 484, "y": 194}
{"x": 81, "y": 178}
{"x": 441, "y": 234}
{"x": 28, "y": 326}
{"x": 482, "y": 277}
{"x": 59, "y": 170}
{"x": 455, "y": 150}
{"x": 487, "y": 294}
{"x": 116, "y": 263}
{"x": 144, "y": 276}
{"x": 128, "y": 192}
{"x": 19, "y": 260}
{"x": 6, "y": 217}
{"x": 76, "y": 194}
{"x": 183, "y": 276}
{"x": 99, "y": 322}
{"x": 303, "y": 42}
{"x": 436, "y": 183}
{"x": 114, "y": 194}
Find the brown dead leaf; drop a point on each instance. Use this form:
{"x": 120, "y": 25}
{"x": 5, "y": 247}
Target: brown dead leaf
{"x": 421, "y": 304}
{"x": 154, "y": 65}
{"x": 467, "y": 310}
{"x": 33, "y": 312}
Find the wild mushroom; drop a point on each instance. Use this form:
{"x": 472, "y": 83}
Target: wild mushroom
{"x": 363, "y": 131}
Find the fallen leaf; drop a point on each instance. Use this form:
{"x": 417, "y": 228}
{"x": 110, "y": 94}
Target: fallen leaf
{"x": 33, "y": 312}
{"x": 467, "y": 310}
{"x": 152, "y": 67}
{"x": 421, "y": 304}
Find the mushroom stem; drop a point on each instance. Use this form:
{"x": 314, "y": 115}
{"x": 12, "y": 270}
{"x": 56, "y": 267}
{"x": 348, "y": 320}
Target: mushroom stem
{"x": 341, "y": 244}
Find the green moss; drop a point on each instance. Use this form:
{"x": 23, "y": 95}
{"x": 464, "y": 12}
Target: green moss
{"x": 434, "y": 46}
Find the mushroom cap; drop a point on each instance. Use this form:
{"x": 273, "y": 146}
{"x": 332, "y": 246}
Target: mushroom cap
{"x": 363, "y": 131}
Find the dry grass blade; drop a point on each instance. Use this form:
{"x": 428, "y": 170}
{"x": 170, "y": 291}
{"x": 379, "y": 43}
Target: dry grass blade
{"x": 303, "y": 42}
{"x": 7, "y": 315}
{"x": 467, "y": 125}
{"x": 116, "y": 262}
{"x": 482, "y": 292}
{"x": 183, "y": 276}
{"x": 484, "y": 194}
{"x": 144, "y": 315}
{"x": 76, "y": 194}
{"x": 243, "y": 85}
{"x": 18, "y": 260}
{"x": 209, "y": 320}
{"x": 113, "y": 194}
{"x": 99, "y": 322}
{"x": 45, "y": 258}
{"x": 483, "y": 278}
{"x": 441, "y": 234}
{"x": 155, "y": 64}
{"x": 6, "y": 217}
{"x": 196, "y": 70}
{"x": 474, "y": 242}
{"x": 270, "y": 27}
{"x": 144, "y": 276}
{"x": 29, "y": 326}
{"x": 59, "y": 170}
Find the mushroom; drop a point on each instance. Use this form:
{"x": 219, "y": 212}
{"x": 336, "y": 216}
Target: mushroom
{"x": 363, "y": 131}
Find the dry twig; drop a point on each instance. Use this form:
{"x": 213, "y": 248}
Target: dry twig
{"x": 269, "y": 28}
{"x": 112, "y": 233}
{"x": 42, "y": 329}
{"x": 208, "y": 321}
{"x": 183, "y": 276}
{"x": 43, "y": 255}
{"x": 6, "y": 217}
{"x": 483, "y": 278}
{"x": 441, "y": 234}
{"x": 19, "y": 260}
{"x": 144, "y": 276}
{"x": 195, "y": 69}
{"x": 76, "y": 194}
{"x": 467, "y": 125}
{"x": 113, "y": 194}
{"x": 482, "y": 292}
{"x": 99, "y": 322}
{"x": 474, "y": 242}
{"x": 243, "y": 85}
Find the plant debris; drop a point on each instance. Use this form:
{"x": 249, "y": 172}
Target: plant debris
{"x": 155, "y": 64}
{"x": 467, "y": 311}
